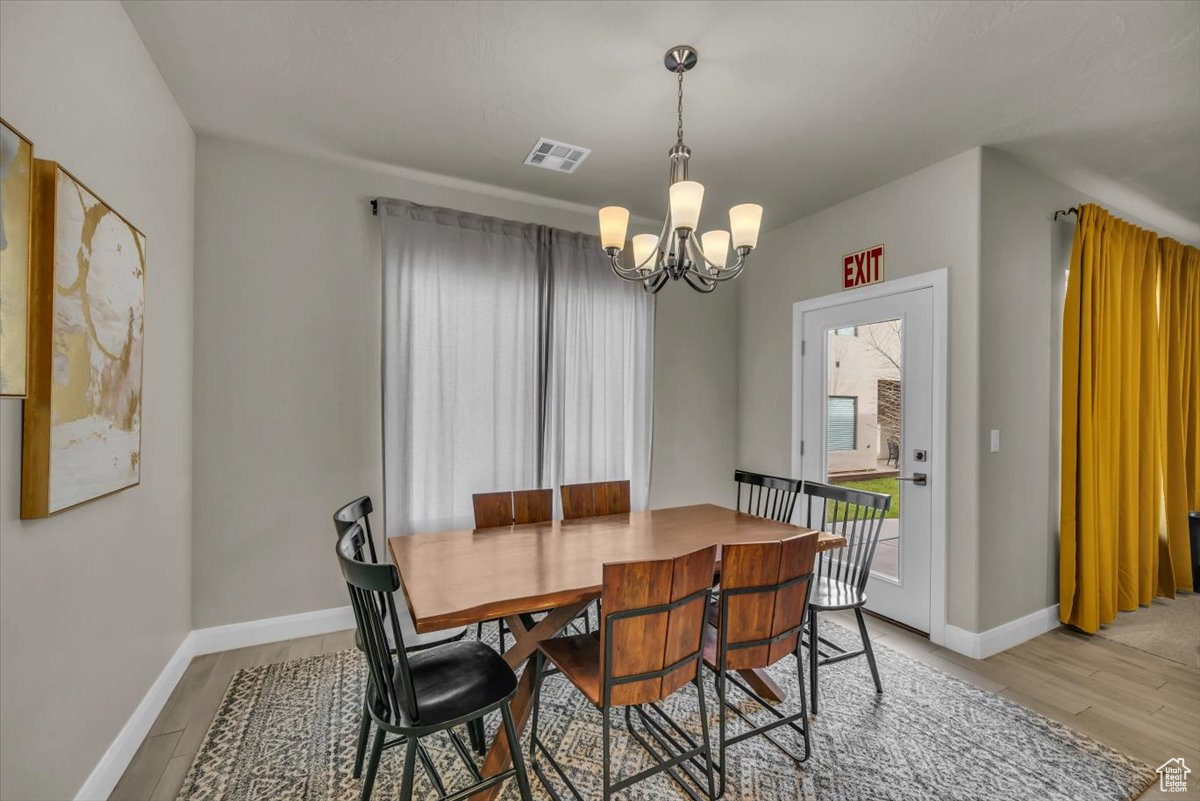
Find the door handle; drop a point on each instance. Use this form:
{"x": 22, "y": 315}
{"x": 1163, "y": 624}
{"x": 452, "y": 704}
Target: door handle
{"x": 920, "y": 479}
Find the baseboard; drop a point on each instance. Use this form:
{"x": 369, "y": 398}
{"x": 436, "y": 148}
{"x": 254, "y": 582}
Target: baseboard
{"x": 1001, "y": 638}
{"x": 116, "y": 759}
{"x": 272, "y": 629}
{"x": 109, "y": 769}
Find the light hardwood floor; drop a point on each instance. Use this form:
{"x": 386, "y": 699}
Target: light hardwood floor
{"x": 1138, "y": 703}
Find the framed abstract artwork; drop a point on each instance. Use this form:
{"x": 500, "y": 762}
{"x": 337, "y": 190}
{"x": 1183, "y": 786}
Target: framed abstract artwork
{"x": 83, "y": 412}
{"x": 16, "y": 198}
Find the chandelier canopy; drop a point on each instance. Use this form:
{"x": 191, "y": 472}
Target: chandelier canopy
{"x": 674, "y": 253}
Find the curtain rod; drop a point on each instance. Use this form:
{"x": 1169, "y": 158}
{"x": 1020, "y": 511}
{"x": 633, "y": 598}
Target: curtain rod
{"x": 1063, "y": 212}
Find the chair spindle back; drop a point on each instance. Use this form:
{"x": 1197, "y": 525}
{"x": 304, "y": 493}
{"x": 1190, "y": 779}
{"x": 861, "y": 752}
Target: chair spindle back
{"x": 357, "y": 511}
{"x": 856, "y": 515}
{"x": 371, "y": 587}
{"x": 772, "y": 497}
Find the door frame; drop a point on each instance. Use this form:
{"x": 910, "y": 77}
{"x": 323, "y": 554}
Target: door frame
{"x": 937, "y": 281}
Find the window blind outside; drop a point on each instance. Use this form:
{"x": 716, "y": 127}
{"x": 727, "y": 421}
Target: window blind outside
{"x": 841, "y": 426}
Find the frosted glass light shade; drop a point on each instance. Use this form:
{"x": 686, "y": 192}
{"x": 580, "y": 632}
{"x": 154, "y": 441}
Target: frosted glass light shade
{"x": 744, "y": 222}
{"x": 686, "y": 197}
{"x": 643, "y": 246}
{"x": 716, "y": 247}
{"x": 614, "y": 220}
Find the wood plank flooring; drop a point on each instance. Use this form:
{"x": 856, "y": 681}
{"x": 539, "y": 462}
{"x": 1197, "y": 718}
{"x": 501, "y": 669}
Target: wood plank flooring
{"x": 1141, "y": 704}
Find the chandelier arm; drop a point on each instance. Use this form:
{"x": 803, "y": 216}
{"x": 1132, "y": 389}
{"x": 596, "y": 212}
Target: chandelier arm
{"x": 633, "y": 273}
{"x": 657, "y": 253}
{"x": 728, "y": 273}
{"x": 699, "y": 282}
{"x": 714, "y": 273}
{"x": 652, "y": 287}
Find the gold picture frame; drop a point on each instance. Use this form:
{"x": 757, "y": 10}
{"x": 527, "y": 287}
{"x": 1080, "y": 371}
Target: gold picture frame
{"x": 83, "y": 413}
{"x": 16, "y": 231}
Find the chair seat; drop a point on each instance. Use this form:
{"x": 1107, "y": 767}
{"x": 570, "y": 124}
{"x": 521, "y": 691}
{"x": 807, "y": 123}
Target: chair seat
{"x": 578, "y": 657}
{"x": 453, "y": 681}
{"x": 832, "y": 594}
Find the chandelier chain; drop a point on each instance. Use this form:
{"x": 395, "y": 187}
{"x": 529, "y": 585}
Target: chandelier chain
{"x": 679, "y": 129}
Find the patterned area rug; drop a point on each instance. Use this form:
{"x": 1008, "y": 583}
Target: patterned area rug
{"x": 287, "y": 731}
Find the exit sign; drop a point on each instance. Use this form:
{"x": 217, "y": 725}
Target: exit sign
{"x": 862, "y": 267}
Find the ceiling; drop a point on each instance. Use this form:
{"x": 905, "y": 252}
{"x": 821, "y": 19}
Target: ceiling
{"x": 795, "y": 106}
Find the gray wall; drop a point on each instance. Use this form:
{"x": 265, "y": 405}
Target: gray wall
{"x": 1017, "y": 535}
{"x": 287, "y": 414}
{"x": 95, "y": 600}
{"x": 1021, "y": 285}
{"x": 988, "y": 218}
{"x": 926, "y": 220}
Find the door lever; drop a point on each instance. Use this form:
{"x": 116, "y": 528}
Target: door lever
{"x": 920, "y": 479}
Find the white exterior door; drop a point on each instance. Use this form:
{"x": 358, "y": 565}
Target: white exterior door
{"x": 865, "y": 392}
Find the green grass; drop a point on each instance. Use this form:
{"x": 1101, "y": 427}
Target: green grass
{"x": 887, "y": 486}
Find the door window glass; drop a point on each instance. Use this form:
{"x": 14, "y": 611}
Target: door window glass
{"x": 864, "y": 401}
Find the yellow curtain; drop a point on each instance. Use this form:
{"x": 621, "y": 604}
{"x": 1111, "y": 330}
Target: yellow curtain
{"x": 1179, "y": 353}
{"x": 1129, "y": 353}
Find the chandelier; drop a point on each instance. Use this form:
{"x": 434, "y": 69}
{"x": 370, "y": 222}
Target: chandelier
{"x": 673, "y": 253}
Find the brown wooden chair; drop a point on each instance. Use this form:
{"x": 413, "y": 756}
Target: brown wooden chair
{"x": 594, "y": 500}
{"x": 518, "y": 507}
{"x": 509, "y": 508}
{"x": 649, "y": 645}
{"x": 760, "y": 616}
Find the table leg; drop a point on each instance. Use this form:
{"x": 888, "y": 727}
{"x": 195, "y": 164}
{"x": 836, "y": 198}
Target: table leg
{"x": 498, "y": 756}
{"x": 764, "y": 685}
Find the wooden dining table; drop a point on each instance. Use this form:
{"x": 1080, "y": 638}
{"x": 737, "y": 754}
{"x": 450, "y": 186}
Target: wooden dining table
{"x": 458, "y": 578}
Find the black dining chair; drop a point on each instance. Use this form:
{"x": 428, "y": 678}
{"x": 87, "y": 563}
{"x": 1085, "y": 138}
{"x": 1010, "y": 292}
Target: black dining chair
{"x": 358, "y": 512}
{"x": 772, "y": 497}
{"x": 842, "y": 573}
{"x": 414, "y": 695}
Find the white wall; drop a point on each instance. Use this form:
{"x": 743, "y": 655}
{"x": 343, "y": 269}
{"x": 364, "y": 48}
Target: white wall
{"x": 94, "y": 601}
{"x": 287, "y": 402}
{"x": 926, "y": 220}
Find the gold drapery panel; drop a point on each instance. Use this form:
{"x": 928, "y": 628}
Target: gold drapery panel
{"x": 1130, "y": 419}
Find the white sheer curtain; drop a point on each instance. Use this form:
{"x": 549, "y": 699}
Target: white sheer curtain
{"x": 601, "y": 364}
{"x": 512, "y": 359}
{"x": 461, "y": 344}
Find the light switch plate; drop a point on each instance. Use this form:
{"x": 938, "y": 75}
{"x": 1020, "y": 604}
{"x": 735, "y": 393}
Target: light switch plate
{"x": 995, "y": 440}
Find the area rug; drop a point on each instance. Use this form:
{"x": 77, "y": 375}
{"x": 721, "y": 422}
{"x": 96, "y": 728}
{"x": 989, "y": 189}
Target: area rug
{"x": 287, "y": 732}
{"x": 1168, "y": 627}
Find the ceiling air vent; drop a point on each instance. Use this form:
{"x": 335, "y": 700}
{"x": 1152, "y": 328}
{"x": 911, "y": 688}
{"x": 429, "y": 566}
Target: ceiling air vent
{"x": 551, "y": 155}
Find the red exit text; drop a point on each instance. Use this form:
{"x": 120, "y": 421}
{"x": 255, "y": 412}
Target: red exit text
{"x": 863, "y": 267}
